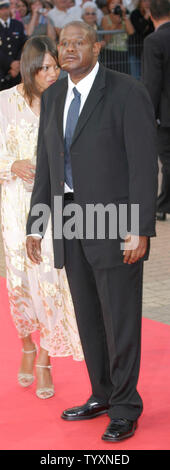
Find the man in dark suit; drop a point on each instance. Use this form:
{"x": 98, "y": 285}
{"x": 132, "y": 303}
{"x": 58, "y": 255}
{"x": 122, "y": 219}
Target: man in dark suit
{"x": 12, "y": 40}
{"x": 157, "y": 80}
{"x": 109, "y": 157}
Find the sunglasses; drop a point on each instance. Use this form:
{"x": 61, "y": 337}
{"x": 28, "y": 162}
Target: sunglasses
{"x": 88, "y": 13}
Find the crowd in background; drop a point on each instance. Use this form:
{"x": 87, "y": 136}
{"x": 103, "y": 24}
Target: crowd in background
{"x": 128, "y": 20}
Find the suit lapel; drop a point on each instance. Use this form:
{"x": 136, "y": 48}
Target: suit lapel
{"x": 95, "y": 95}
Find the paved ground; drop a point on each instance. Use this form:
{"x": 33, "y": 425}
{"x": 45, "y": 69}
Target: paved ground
{"x": 156, "y": 296}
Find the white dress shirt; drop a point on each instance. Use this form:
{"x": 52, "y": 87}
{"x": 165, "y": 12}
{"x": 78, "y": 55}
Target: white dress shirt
{"x": 130, "y": 4}
{"x": 3, "y": 22}
{"x": 84, "y": 87}
{"x": 59, "y": 18}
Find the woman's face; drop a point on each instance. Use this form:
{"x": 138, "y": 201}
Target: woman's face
{"x": 48, "y": 73}
{"x": 114, "y": 3}
{"x": 21, "y": 7}
{"x": 36, "y": 5}
{"x": 145, "y": 4}
{"x": 90, "y": 16}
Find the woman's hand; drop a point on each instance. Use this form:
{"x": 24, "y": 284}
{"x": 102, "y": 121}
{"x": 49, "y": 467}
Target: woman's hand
{"x": 14, "y": 68}
{"x": 147, "y": 14}
{"x": 33, "y": 246}
{"x": 128, "y": 25}
{"x": 35, "y": 8}
{"x": 45, "y": 13}
{"x": 124, "y": 12}
{"x": 24, "y": 169}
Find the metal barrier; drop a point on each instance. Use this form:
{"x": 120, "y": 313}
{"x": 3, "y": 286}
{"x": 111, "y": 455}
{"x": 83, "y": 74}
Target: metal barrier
{"x": 121, "y": 52}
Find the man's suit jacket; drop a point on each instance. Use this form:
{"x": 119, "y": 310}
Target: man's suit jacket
{"x": 113, "y": 156}
{"x": 12, "y": 40}
{"x": 156, "y": 71}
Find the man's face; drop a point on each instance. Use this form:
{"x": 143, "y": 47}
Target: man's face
{"x": 60, "y": 4}
{"x": 76, "y": 51}
{"x": 4, "y": 13}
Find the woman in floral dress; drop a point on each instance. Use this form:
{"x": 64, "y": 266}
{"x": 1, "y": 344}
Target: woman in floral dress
{"x": 38, "y": 294}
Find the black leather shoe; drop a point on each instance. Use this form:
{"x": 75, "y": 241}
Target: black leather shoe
{"x": 90, "y": 410}
{"x": 119, "y": 429}
{"x": 161, "y": 216}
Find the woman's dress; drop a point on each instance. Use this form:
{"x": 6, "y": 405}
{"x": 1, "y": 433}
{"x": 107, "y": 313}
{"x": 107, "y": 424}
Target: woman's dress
{"x": 39, "y": 295}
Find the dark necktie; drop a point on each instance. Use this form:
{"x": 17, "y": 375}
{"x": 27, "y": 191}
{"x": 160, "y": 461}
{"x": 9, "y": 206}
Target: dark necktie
{"x": 5, "y": 24}
{"x": 72, "y": 118}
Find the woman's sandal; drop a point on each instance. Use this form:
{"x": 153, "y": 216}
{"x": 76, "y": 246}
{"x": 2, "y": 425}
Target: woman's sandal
{"x": 48, "y": 391}
{"x": 25, "y": 380}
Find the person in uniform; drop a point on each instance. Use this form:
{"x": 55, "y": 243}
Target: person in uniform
{"x": 12, "y": 39}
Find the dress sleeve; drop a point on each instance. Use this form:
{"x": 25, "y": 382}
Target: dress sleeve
{"x": 7, "y": 146}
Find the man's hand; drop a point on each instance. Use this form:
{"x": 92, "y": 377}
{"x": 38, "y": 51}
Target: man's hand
{"x": 135, "y": 248}
{"x": 33, "y": 245}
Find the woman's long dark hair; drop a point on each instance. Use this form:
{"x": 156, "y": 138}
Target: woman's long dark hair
{"x": 32, "y": 59}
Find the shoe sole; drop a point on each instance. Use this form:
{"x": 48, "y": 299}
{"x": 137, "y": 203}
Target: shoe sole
{"x": 107, "y": 439}
{"x": 81, "y": 418}
{"x": 44, "y": 398}
{"x": 25, "y": 385}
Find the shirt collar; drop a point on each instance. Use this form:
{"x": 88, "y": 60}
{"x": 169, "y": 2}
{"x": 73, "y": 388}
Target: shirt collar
{"x": 84, "y": 85}
{"x": 165, "y": 22}
{"x": 3, "y": 22}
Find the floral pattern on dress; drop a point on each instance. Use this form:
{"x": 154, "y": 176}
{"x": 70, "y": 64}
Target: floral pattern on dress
{"x": 39, "y": 295}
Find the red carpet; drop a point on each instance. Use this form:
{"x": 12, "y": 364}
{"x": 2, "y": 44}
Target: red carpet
{"x": 30, "y": 423}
